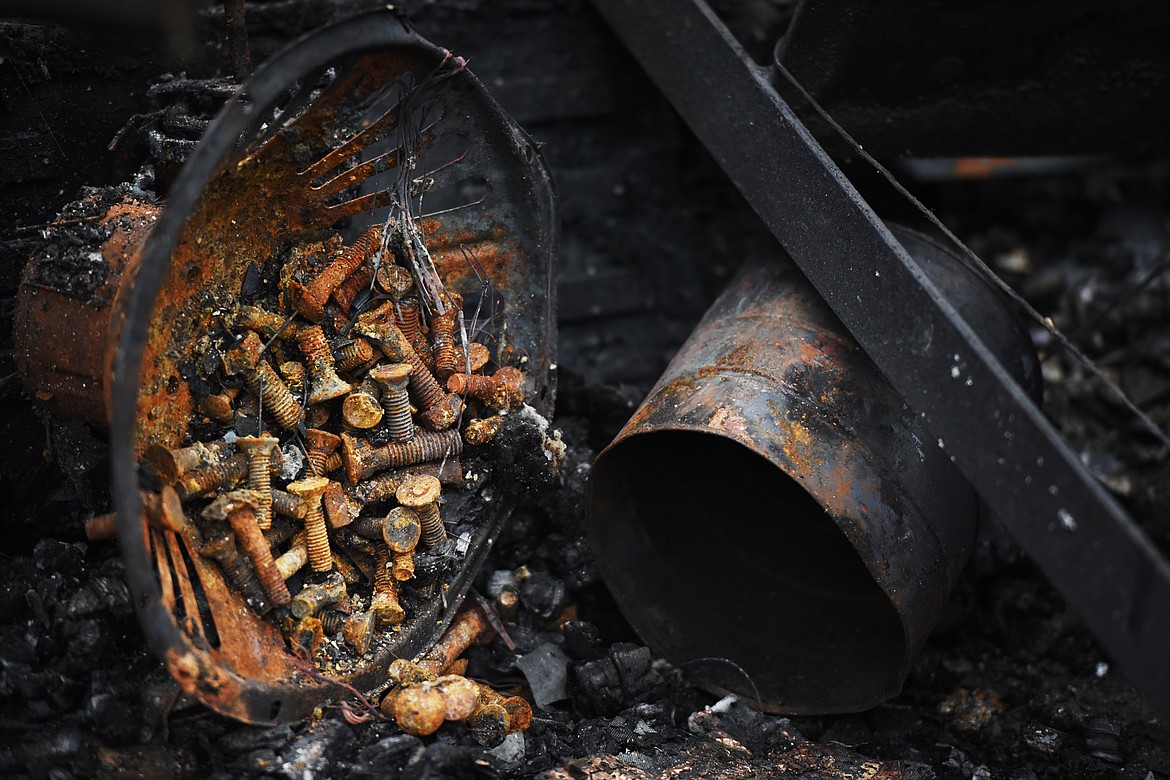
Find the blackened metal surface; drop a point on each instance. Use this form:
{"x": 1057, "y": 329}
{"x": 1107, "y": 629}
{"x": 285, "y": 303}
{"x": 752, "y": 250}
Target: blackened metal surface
{"x": 929, "y": 77}
{"x": 269, "y": 173}
{"x": 1077, "y": 533}
{"x": 712, "y": 550}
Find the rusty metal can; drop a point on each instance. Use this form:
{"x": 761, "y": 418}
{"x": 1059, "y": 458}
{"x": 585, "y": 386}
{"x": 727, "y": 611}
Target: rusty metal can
{"x": 774, "y": 517}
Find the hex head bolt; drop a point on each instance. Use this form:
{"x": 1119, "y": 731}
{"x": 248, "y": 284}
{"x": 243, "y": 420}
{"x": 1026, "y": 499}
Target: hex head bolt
{"x": 322, "y": 444}
{"x": 324, "y": 384}
{"x": 239, "y": 509}
{"x": 357, "y": 629}
{"x": 259, "y": 451}
{"x": 392, "y": 379}
{"x": 502, "y": 390}
{"x": 261, "y": 379}
{"x": 395, "y": 345}
{"x": 356, "y": 353}
{"x": 222, "y": 549}
{"x": 314, "y": 598}
{"x": 421, "y": 493}
{"x": 362, "y": 460}
{"x": 207, "y": 480}
{"x": 309, "y": 299}
{"x": 316, "y": 534}
{"x": 361, "y": 409}
{"x": 384, "y": 602}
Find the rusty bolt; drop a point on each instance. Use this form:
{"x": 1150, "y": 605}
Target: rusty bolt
{"x": 518, "y": 710}
{"x": 444, "y": 415}
{"x": 219, "y": 406}
{"x": 239, "y": 509}
{"x": 363, "y": 460}
{"x": 309, "y": 299}
{"x": 407, "y": 315}
{"x": 402, "y": 566}
{"x": 247, "y": 358}
{"x": 293, "y": 373}
{"x": 355, "y": 353}
{"x": 418, "y": 709}
{"x": 421, "y": 493}
{"x": 384, "y": 601}
{"x": 369, "y": 527}
{"x": 357, "y": 629}
{"x": 392, "y": 379}
{"x": 316, "y": 534}
{"x": 474, "y": 359}
{"x": 288, "y": 505}
{"x": 259, "y": 451}
{"x": 294, "y": 559}
{"x": 207, "y": 480}
{"x": 324, "y": 384}
{"x": 317, "y": 416}
{"x": 339, "y": 509}
{"x": 170, "y": 464}
{"x": 361, "y": 408}
{"x": 313, "y": 598}
{"x": 222, "y": 549}
{"x": 353, "y": 286}
{"x": 489, "y": 725}
{"x": 356, "y": 543}
{"x": 443, "y": 341}
{"x": 459, "y": 694}
{"x": 502, "y": 390}
{"x": 481, "y": 432}
{"x": 264, "y": 322}
{"x": 396, "y": 347}
{"x": 322, "y": 444}
{"x": 468, "y": 626}
{"x": 394, "y": 280}
{"x": 401, "y": 530}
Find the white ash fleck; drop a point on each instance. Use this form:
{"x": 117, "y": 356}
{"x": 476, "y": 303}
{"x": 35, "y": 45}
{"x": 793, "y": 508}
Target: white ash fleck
{"x": 294, "y": 462}
{"x": 511, "y": 751}
{"x": 554, "y": 447}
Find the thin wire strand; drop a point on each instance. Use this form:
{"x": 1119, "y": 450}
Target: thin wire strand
{"x": 1043, "y": 321}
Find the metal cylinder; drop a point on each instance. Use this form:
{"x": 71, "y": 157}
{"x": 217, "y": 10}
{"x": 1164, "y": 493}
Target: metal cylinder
{"x": 773, "y": 517}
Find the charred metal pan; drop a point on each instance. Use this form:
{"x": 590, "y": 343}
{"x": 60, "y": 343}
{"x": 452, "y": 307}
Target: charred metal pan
{"x": 319, "y": 140}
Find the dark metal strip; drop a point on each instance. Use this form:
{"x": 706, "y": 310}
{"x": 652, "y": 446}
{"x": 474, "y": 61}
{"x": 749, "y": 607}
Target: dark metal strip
{"x": 1075, "y": 531}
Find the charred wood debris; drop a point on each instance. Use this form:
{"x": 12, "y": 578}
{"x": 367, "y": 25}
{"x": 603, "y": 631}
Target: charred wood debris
{"x": 1009, "y": 685}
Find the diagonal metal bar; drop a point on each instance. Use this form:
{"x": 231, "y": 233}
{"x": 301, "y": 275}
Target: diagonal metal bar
{"x": 1081, "y": 538}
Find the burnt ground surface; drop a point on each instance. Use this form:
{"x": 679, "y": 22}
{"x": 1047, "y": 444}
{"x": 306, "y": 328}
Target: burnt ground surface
{"x": 1010, "y": 685}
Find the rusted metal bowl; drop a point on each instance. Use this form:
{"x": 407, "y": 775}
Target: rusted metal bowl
{"x": 309, "y": 146}
{"x": 774, "y": 518}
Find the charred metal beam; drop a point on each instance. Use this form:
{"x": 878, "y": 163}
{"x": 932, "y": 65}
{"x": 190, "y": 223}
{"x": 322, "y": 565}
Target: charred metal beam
{"x": 1077, "y": 533}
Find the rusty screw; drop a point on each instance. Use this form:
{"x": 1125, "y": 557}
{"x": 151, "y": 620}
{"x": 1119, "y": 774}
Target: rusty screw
{"x": 474, "y": 359}
{"x": 392, "y": 379}
{"x": 259, "y": 451}
{"x": 356, "y": 353}
{"x": 247, "y": 358}
{"x": 384, "y": 602}
{"x": 265, "y": 322}
{"x": 361, "y": 409}
{"x": 394, "y": 280}
{"x": 313, "y": 598}
{"x": 239, "y": 509}
{"x": 309, "y": 299}
{"x": 421, "y": 493}
{"x": 502, "y": 390}
{"x": 287, "y": 505}
{"x": 307, "y": 634}
{"x": 357, "y": 629}
{"x": 443, "y": 338}
{"x": 348, "y": 291}
{"x": 170, "y": 464}
{"x": 322, "y": 444}
{"x": 362, "y": 460}
{"x": 481, "y": 432}
{"x": 206, "y": 480}
{"x": 324, "y": 383}
{"x": 401, "y": 532}
{"x": 294, "y": 559}
{"x": 418, "y": 710}
{"x": 444, "y": 415}
{"x": 222, "y": 549}
{"x": 316, "y": 534}
{"x": 294, "y": 375}
{"x": 395, "y": 345}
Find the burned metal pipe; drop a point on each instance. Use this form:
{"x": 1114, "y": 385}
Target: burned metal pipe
{"x": 774, "y": 518}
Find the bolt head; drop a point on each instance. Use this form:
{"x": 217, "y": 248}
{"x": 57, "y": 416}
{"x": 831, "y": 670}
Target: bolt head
{"x": 260, "y": 444}
{"x": 390, "y": 373}
{"x": 309, "y": 489}
{"x": 401, "y": 530}
{"x": 418, "y": 491}
{"x": 322, "y": 440}
{"x": 420, "y": 710}
{"x": 227, "y": 504}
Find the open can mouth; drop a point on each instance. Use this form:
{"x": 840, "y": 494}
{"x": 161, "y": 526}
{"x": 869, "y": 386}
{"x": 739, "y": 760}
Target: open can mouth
{"x": 774, "y": 518}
